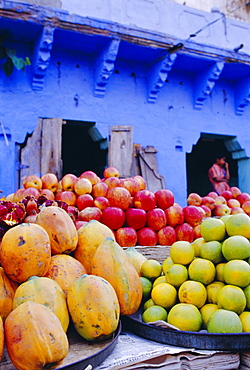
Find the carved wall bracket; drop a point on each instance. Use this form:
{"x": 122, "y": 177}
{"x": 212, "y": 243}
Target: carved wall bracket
{"x": 41, "y": 57}
{"x": 158, "y": 75}
{"x": 104, "y": 67}
{"x": 204, "y": 83}
{"x": 242, "y": 95}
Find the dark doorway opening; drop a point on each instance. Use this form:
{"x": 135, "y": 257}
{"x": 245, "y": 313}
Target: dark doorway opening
{"x": 201, "y": 158}
{"x": 83, "y": 148}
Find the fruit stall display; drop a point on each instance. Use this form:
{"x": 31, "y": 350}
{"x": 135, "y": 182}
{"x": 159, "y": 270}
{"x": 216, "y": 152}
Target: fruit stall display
{"x": 68, "y": 256}
{"x": 204, "y": 284}
{"x": 44, "y": 287}
{"x": 201, "y": 288}
{"x": 136, "y": 215}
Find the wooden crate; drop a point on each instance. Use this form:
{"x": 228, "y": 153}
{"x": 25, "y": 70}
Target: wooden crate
{"x": 158, "y": 252}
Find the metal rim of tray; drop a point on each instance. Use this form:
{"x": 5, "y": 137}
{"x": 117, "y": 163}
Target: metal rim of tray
{"x": 98, "y": 357}
{"x": 198, "y": 340}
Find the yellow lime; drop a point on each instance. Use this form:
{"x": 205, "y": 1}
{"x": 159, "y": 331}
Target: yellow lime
{"x": 197, "y": 244}
{"x": 220, "y": 271}
{"x": 176, "y": 275}
{"x": 192, "y": 292}
{"x": 164, "y": 295}
{"x": 146, "y": 287}
{"x": 236, "y": 247}
{"x": 154, "y": 313}
{"x": 206, "y": 312}
{"x": 247, "y": 295}
{"x": 201, "y": 270}
{"x": 212, "y": 291}
{"x": 148, "y": 304}
{"x": 231, "y": 298}
{"x": 159, "y": 280}
{"x": 182, "y": 252}
{"x": 213, "y": 229}
{"x": 166, "y": 264}
{"x": 212, "y": 251}
{"x": 151, "y": 269}
{"x": 185, "y": 316}
{"x": 224, "y": 218}
{"x": 238, "y": 224}
{"x": 224, "y": 321}
{"x": 245, "y": 321}
{"x": 237, "y": 272}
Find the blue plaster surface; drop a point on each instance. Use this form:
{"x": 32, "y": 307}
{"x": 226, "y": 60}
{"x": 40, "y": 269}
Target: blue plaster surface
{"x": 168, "y": 17}
{"x": 169, "y": 122}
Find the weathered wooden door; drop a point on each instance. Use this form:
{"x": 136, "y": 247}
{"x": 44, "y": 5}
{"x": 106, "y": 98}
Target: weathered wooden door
{"x": 149, "y": 168}
{"x": 132, "y": 159}
{"x": 42, "y": 153}
{"x": 120, "y": 150}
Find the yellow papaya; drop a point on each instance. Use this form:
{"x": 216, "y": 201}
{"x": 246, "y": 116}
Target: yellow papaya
{"x": 111, "y": 262}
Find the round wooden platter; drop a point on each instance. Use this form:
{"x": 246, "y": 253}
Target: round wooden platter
{"x": 197, "y": 340}
{"x": 82, "y": 355}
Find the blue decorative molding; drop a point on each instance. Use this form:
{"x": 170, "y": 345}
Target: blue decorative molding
{"x": 104, "y": 67}
{"x": 41, "y": 57}
{"x": 158, "y": 75}
{"x": 242, "y": 95}
{"x": 205, "y": 82}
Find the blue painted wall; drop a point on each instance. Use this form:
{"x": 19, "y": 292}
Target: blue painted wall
{"x": 169, "y": 122}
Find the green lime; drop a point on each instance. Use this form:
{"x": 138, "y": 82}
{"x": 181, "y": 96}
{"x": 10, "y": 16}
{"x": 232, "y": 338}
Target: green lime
{"x": 146, "y": 287}
{"x": 148, "y": 304}
{"x": 154, "y": 313}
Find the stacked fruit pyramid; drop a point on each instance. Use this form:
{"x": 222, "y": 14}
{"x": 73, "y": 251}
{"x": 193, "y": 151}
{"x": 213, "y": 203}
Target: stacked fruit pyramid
{"x": 136, "y": 215}
{"x": 52, "y": 274}
{"x": 204, "y": 284}
{"x": 57, "y": 268}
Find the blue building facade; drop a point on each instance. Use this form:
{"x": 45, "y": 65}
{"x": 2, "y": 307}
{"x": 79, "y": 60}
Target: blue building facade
{"x": 179, "y": 76}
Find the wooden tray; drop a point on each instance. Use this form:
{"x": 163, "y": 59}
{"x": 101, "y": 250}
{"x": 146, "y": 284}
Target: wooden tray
{"x": 82, "y": 354}
{"x": 158, "y": 252}
{"x": 197, "y": 340}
